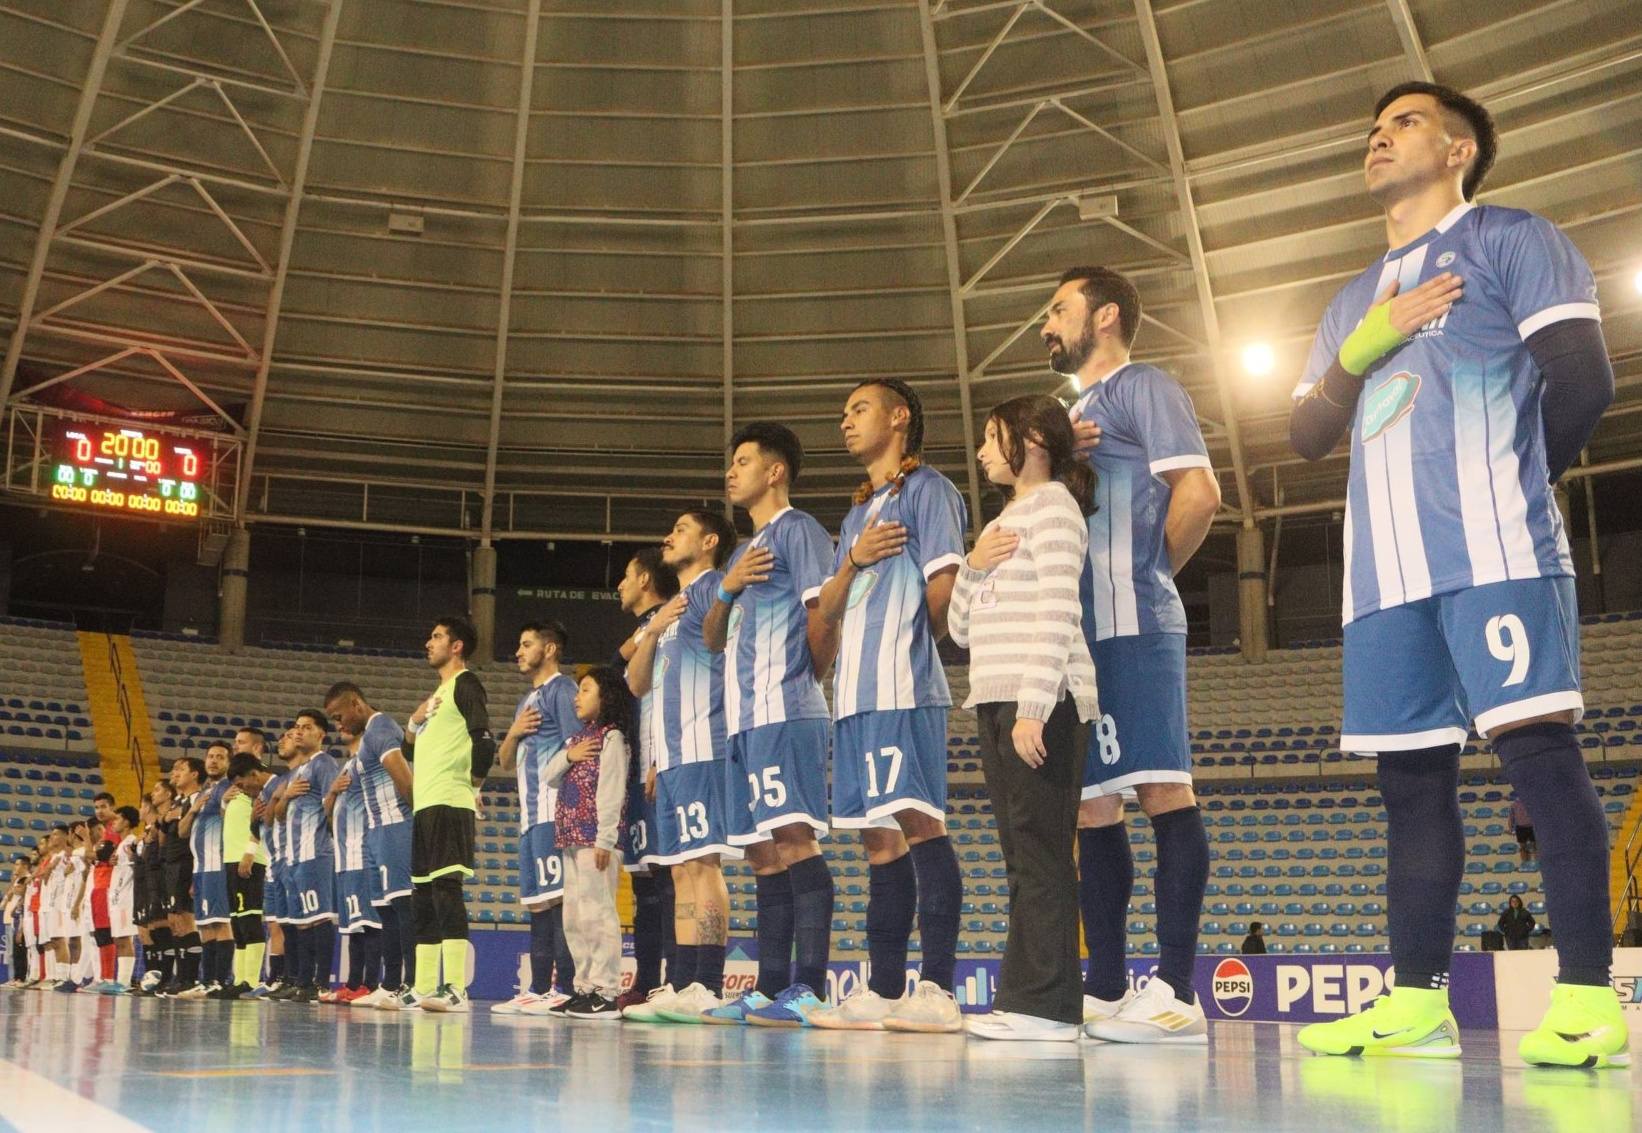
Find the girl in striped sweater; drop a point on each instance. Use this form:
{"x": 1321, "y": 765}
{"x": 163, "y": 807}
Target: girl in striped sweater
{"x": 1032, "y": 684}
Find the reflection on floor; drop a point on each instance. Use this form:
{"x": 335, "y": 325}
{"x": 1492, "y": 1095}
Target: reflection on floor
{"x": 188, "y": 1066}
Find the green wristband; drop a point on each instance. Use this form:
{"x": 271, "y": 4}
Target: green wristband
{"x": 1373, "y": 339}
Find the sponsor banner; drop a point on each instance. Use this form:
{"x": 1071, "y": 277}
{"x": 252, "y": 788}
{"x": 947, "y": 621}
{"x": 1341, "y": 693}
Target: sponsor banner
{"x": 1311, "y": 989}
{"x": 1522, "y": 985}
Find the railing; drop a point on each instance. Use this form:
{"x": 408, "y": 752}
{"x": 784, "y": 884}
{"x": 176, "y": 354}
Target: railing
{"x": 133, "y": 741}
{"x": 1633, "y": 886}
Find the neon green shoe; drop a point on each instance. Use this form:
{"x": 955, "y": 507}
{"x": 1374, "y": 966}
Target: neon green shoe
{"x": 1585, "y": 1028}
{"x": 1407, "y": 1023}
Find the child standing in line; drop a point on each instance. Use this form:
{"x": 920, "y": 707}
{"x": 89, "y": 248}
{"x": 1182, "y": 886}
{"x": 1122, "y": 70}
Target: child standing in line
{"x": 1032, "y": 685}
{"x": 592, "y": 774}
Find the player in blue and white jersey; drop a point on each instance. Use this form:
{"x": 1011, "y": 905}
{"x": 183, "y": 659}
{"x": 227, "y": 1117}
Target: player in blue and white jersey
{"x": 384, "y": 784}
{"x": 1469, "y": 368}
{"x": 202, "y": 826}
{"x": 544, "y": 719}
{"x": 357, "y": 918}
{"x": 777, "y": 723}
{"x": 310, "y": 859}
{"x": 685, "y": 736}
{"x": 879, "y": 616}
{"x": 1155, "y": 498}
{"x": 644, "y": 586}
{"x": 275, "y": 908}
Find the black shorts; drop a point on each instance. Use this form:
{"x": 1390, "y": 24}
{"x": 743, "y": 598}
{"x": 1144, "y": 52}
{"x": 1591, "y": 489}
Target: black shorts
{"x": 245, "y": 893}
{"x": 177, "y": 894}
{"x": 1525, "y": 834}
{"x": 441, "y": 843}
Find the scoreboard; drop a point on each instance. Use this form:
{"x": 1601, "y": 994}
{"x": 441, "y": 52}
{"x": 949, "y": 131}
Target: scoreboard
{"x": 127, "y": 468}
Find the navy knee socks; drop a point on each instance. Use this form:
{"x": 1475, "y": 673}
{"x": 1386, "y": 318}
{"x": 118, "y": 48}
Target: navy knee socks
{"x": 775, "y": 932}
{"x": 1106, "y": 880}
{"x": 812, "y": 901}
{"x": 940, "y": 899}
{"x": 1182, "y": 875}
{"x": 1425, "y": 844}
{"x": 892, "y": 899}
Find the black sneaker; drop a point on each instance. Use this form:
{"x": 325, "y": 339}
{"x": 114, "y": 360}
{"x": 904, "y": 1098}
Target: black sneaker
{"x": 308, "y": 995}
{"x": 286, "y": 993}
{"x": 594, "y": 1006}
{"x": 570, "y": 1006}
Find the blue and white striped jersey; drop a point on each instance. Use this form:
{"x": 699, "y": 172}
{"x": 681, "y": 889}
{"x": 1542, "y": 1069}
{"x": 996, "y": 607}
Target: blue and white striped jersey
{"x": 769, "y": 676}
{"x": 273, "y": 833}
{"x": 307, "y": 832}
{"x": 348, "y": 822}
{"x": 1147, "y": 427}
{"x": 886, "y": 657}
{"x": 686, "y": 718}
{"x": 383, "y": 806}
{"x": 205, "y": 836}
{"x": 1448, "y": 486}
{"x": 555, "y": 699}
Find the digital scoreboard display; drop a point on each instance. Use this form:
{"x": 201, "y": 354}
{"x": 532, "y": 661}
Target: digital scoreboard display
{"x": 127, "y": 468}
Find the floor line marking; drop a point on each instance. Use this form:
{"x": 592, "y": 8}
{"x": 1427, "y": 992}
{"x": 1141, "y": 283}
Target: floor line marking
{"x": 248, "y": 1072}
{"x": 34, "y": 1104}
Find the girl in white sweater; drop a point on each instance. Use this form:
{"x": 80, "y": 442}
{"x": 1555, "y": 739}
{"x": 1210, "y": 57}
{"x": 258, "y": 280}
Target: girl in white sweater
{"x": 1032, "y": 684}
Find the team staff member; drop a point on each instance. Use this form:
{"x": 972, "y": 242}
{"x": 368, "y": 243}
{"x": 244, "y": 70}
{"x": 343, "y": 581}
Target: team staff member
{"x": 246, "y": 865}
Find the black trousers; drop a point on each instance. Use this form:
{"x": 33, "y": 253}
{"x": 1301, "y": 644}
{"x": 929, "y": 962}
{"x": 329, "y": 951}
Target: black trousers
{"x": 1037, "y": 815}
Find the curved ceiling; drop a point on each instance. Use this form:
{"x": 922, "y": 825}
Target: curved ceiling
{"x": 636, "y": 223}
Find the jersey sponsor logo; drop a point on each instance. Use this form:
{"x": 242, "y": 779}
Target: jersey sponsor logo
{"x": 1233, "y": 986}
{"x": 861, "y": 587}
{"x": 736, "y": 616}
{"x": 1389, "y": 403}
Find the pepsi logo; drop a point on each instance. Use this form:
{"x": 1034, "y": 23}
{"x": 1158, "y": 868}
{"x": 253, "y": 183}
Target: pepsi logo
{"x": 1232, "y": 987}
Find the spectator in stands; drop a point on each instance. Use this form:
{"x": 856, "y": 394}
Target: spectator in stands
{"x": 1516, "y": 924}
{"x": 1522, "y": 826}
{"x": 1032, "y": 685}
{"x": 1254, "y": 944}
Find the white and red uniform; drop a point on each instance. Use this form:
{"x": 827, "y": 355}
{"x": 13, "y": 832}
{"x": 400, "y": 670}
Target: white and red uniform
{"x": 121, "y": 899}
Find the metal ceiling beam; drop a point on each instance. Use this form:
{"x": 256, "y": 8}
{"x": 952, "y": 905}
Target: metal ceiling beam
{"x": 510, "y": 252}
{"x": 59, "y": 190}
{"x": 1413, "y": 46}
{"x": 726, "y": 153}
{"x": 949, "y": 236}
{"x": 287, "y": 241}
{"x": 1194, "y": 242}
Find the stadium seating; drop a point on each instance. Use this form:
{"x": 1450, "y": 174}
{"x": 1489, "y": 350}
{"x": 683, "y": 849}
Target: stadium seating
{"x": 42, "y": 705}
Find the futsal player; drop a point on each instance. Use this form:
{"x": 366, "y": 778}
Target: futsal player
{"x": 881, "y": 614}
{"x": 543, "y": 720}
{"x": 120, "y": 889}
{"x": 356, "y": 916}
{"x": 202, "y": 826}
{"x": 1156, "y": 496}
{"x": 245, "y": 861}
{"x": 310, "y": 861}
{"x": 687, "y": 744}
{"x": 187, "y": 779}
{"x": 777, "y": 723}
{"x": 276, "y": 905}
{"x": 159, "y": 959}
{"x": 451, "y": 749}
{"x": 644, "y": 586}
{"x": 251, "y": 741}
{"x": 1469, "y": 367}
{"x": 385, "y": 783}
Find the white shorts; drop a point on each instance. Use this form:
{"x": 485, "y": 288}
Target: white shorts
{"x": 52, "y": 926}
{"x": 121, "y": 922}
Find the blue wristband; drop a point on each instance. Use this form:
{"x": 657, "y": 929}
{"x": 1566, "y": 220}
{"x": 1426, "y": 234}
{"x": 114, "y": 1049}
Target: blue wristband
{"x": 726, "y": 597}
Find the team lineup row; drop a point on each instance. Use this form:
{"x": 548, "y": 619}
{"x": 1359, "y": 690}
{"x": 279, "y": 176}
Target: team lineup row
{"x": 1467, "y": 368}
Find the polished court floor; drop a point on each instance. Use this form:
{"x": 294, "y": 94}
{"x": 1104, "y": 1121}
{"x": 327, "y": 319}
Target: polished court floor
{"x": 70, "y": 1062}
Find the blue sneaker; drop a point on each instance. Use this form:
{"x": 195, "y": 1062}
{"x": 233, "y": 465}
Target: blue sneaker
{"x": 735, "y": 1013}
{"x": 791, "y": 1009}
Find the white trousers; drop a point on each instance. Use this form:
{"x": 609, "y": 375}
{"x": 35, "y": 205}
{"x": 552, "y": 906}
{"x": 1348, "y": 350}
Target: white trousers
{"x": 591, "y": 926}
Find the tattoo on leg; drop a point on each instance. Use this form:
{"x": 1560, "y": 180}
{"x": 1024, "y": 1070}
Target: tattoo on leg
{"x": 710, "y": 926}
{"x": 684, "y": 911}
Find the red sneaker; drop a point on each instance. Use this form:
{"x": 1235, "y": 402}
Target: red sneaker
{"x": 631, "y": 998}
{"x": 347, "y": 997}
{"x": 330, "y": 996}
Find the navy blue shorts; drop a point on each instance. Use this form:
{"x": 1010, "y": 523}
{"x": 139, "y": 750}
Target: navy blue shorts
{"x": 541, "y": 872}
{"x": 887, "y": 762}
{"x": 353, "y": 901}
{"x": 1424, "y": 674}
{"x": 1141, "y": 735}
{"x": 211, "y": 898}
{"x": 274, "y": 906}
{"x": 777, "y": 776}
{"x": 388, "y": 860}
{"x": 692, "y": 816}
{"x": 310, "y": 887}
{"x": 641, "y": 832}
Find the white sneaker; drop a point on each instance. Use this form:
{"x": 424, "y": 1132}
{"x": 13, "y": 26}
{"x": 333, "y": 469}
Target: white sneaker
{"x": 447, "y": 1000}
{"x": 375, "y": 998}
{"x": 650, "y": 1011}
{"x": 688, "y": 1005}
{"x": 545, "y": 1004}
{"x": 928, "y": 1010}
{"x": 516, "y": 1005}
{"x": 1011, "y": 1026}
{"x": 1153, "y": 1016}
{"x": 863, "y": 1011}
{"x": 198, "y": 991}
{"x": 1094, "y": 1009}
{"x": 405, "y": 1000}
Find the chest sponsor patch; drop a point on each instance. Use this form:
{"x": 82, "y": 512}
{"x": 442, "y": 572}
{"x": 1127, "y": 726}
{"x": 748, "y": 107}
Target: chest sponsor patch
{"x": 1388, "y": 403}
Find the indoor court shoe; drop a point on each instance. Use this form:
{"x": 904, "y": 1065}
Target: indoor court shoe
{"x": 930, "y": 1009}
{"x": 565, "y": 1006}
{"x": 1584, "y": 1028}
{"x": 516, "y": 1005}
{"x": 863, "y": 1011}
{"x": 447, "y": 1000}
{"x": 650, "y": 1011}
{"x": 406, "y": 1000}
{"x": 352, "y": 997}
{"x": 792, "y": 1008}
{"x": 330, "y": 995}
{"x": 1096, "y": 1009}
{"x": 548, "y": 1004}
{"x": 1154, "y": 1015}
{"x": 1012, "y": 1026}
{"x": 736, "y": 1011}
{"x": 632, "y": 997}
{"x": 1407, "y": 1023}
{"x": 261, "y": 991}
{"x": 374, "y": 999}
{"x": 67, "y": 987}
{"x": 595, "y": 1008}
{"x": 304, "y": 996}
{"x": 689, "y": 1005}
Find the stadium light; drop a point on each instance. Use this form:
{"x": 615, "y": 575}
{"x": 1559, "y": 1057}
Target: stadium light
{"x": 1259, "y": 359}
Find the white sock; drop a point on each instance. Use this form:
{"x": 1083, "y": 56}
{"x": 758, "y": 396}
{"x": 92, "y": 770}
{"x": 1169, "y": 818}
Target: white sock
{"x": 123, "y": 967}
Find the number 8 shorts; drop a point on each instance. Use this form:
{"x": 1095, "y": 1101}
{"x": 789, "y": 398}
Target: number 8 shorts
{"x": 1141, "y": 734}
{"x": 1420, "y": 675}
